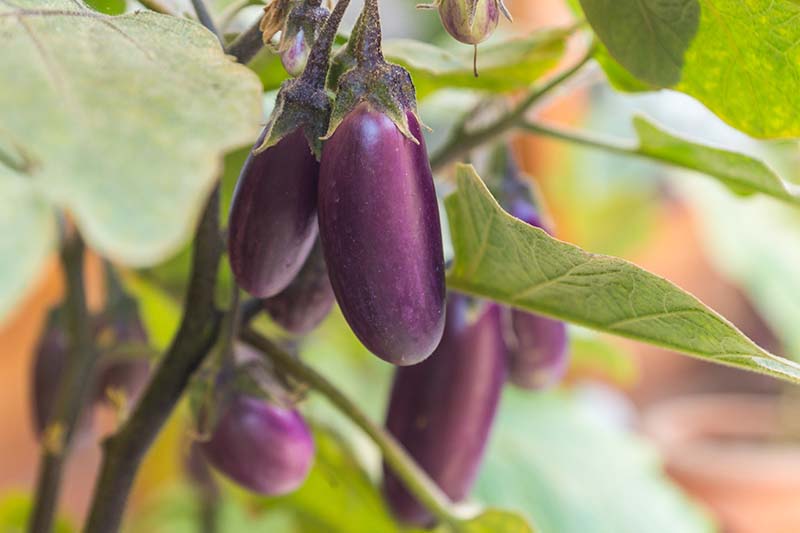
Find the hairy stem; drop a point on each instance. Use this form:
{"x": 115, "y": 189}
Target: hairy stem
{"x": 123, "y": 451}
{"x": 583, "y": 139}
{"x": 319, "y": 59}
{"x": 462, "y": 141}
{"x": 73, "y": 390}
{"x": 415, "y": 479}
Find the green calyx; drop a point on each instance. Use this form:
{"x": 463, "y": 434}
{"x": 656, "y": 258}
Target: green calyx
{"x": 298, "y": 105}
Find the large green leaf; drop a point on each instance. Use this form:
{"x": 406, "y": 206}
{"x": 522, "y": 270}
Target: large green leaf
{"x": 502, "y": 258}
{"x": 494, "y": 521}
{"x": 737, "y": 57}
{"x": 503, "y": 66}
{"x": 572, "y": 474}
{"x": 119, "y": 121}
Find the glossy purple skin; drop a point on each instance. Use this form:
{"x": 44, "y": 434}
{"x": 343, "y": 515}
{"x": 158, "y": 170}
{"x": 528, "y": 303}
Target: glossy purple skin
{"x": 128, "y": 375}
{"x": 540, "y": 356}
{"x": 263, "y": 447}
{"x": 380, "y": 231}
{"x": 307, "y": 300}
{"x": 442, "y": 409}
{"x": 273, "y": 216}
{"x": 455, "y": 19}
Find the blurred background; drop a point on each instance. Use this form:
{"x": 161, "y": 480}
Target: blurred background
{"x": 639, "y": 439}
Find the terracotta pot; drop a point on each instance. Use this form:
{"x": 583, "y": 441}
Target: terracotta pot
{"x": 732, "y": 454}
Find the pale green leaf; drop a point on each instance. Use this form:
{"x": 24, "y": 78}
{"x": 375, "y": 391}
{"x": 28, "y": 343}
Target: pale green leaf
{"x": 571, "y": 473}
{"x": 124, "y": 120}
{"x": 495, "y": 521}
{"x": 739, "y": 58}
{"x": 503, "y": 66}
{"x": 502, "y": 258}
{"x": 27, "y": 234}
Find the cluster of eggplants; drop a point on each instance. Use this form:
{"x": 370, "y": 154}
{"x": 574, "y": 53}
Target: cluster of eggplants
{"x": 124, "y": 372}
{"x": 538, "y": 355}
{"x": 442, "y": 409}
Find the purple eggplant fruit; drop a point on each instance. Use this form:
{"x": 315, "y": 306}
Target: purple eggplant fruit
{"x": 469, "y": 21}
{"x": 301, "y": 306}
{"x": 124, "y": 365}
{"x": 273, "y": 215}
{"x": 442, "y": 409}
{"x": 264, "y": 447}
{"x": 539, "y": 355}
{"x": 380, "y": 231}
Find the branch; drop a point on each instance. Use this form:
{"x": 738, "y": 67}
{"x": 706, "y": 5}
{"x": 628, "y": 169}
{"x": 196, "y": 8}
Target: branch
{"x": 73, "y": 390}
{"x": 247, "y": 44}
{"x": 415, "y": 479}
{"x": 583, "y": 139}
{"x": 123, "y": 451}
{"x": 205, "y": 18}
{"x": 462, "y": 141}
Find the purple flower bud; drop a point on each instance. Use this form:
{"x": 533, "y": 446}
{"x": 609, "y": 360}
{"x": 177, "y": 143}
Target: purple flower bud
{"x": 273, "y": 216}
{"x": 301, "y": 306}
{"x": 265, "y": 448}
{"x": 294, "y": 54}
{"x": 442, "y": 410}
{"x": 469, "y": 21}
{"x": 380, "y": 231}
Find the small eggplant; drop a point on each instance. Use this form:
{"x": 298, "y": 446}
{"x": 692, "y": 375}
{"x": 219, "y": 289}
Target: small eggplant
{"x": 265, "y": 448}
{"x": 442, "y": 410}
{"x": 301, "y": 306}
{"x": 380, "y": 231}
{"x": 128, "y": 370}
{"x": 273, "y": 215}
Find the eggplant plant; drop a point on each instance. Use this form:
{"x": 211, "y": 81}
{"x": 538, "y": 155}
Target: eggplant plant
{"x": 363, "y": 244}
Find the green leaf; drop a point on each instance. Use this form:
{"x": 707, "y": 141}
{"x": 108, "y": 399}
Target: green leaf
{"x": 109, "y": 7}
{"x": 740, "y": 173}
{"x": 618, "y": 77}
{"x": 27, "y": 234}
{"x": 503, "y": 66}
{"x": 593, "y": 355}
{"x": 121, "y": 121}
{"x": 502, "y": 258}
{"x": 738, "y": 58}
{"x": 15, "y": 508}
{"x": 572, "y": 473}
{"x": 496, "y": 521}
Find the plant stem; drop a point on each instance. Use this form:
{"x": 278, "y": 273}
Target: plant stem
{"x": 205, "y": 18}
{"x": 247, "y": 44}
{"x": 319, "y": 58}
{"x": 123, "y": 451}
{"x": 415, "y": 479}
{"x": 583, "y": 139}
{"x": 73, "y": 390}
{"x": 462, "y": 141}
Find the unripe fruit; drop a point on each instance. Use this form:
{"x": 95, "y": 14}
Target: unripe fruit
{"x": 466, "y": 25}
{"x": 380, "y": 231}
{"x": 127, "y": 373}
{"x": 442, "y": 410}
{"x": 265, "y": 448}
{"x": 273, "y": 216}
{"x": 301, "y": 306}
{"x": 539, "y": 354}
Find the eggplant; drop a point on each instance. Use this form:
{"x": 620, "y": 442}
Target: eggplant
{"x": 381, "y": 235}
{"x": 539, "y": 355}
{"x": 469, "y": 21}
{"x": 301, "y": 306}
{"x": 263, "y": 447}
{"x": 442, "y": 410}
{"x": 272, "y": 224}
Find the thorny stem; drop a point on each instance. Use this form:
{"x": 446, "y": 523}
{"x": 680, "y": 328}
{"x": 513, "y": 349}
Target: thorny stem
{"x": 73, "y": 390}
{"x": 462, "y": 141}
{"x": 414, "y": 478}
{"x": 319, "y": 59}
